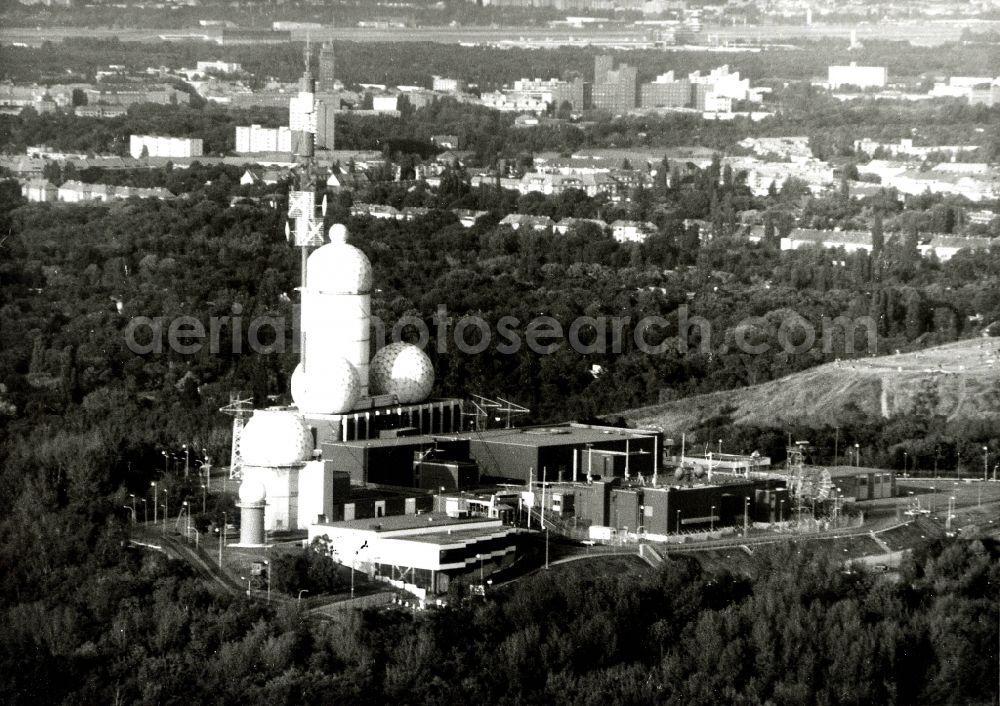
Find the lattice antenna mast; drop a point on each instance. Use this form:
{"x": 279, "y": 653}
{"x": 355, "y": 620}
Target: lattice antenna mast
{"x": 304, "y": 225}
{"x": 240, "y": 408}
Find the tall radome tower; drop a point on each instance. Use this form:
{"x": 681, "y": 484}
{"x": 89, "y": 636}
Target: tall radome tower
{"x": 336, "y": 322}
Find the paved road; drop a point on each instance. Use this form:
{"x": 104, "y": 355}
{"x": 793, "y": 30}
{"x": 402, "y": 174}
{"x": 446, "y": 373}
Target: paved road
{"x": 927, "y": 33}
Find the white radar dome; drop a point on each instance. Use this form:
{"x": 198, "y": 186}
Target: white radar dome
{"x": 252, "y": 492}
{"x": 328, "y": 387}
{"x": 403, "y": 370}
{"x": 274, "y": 438}
{"x": 339, "y": 268}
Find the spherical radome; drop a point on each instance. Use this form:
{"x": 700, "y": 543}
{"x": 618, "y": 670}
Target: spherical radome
{"x": 274, "y": 438}
{"x": 339, "y": 268}
{"x": 252, "y": 492}
{"x": 327, "y": 387}
{"x": 403, "y": 370}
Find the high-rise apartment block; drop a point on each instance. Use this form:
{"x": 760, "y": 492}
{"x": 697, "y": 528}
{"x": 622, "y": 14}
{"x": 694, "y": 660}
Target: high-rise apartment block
{"x": 327, "y": 70}
{"x": 615, "y": 90}
{"x": 666, "y": 92}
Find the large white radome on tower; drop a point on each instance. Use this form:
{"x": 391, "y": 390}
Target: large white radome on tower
{"x": 330, "y": 387}
{"x": 339, "y": 268}
{"x": 274, "y": 438}
{"x": 403, "y": 370}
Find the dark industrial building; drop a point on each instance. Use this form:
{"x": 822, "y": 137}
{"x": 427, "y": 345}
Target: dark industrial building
{"x": 667, "y": 510}
{"x": 858, "y": 483}
{"x": 462, "y": 460}
{"x": 572, "y": 452}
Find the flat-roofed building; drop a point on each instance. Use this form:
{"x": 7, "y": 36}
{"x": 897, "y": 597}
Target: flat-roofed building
{"x": 421, "y": 553}
{"x": 854, "y": 75}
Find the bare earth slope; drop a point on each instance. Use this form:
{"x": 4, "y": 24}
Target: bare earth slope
{"x": 965, "y": 376}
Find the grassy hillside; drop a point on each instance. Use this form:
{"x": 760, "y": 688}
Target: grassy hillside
{"x": 961, "y": 380}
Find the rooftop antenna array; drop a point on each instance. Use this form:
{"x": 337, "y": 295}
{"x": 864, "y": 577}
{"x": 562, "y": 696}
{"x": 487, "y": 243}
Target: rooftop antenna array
{"x": 806, "y": 482}
{"x": 485, "y": 408}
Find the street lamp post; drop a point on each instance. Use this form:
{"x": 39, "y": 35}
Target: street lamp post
{"x": 304, "y": 590}
{"x": 986, "y": 463}
{"x": 187, "y": 520}
{"x": 222, "y": 532}
{"x": 166, "y": 461}
{"x": 746, "y": 516}
{"x": 203, "y": 490}
{"x": 857, "y": 455}
{"x": 678, "y": 522}
{"x": 905, "y": 457}
{"x": 156, "y": 502}
{"x": 132, "y": 510}
{"x": 958, "y": 465}
{"x": 145, "y": 510}
{"x": 132, "y": 495}
{"x": 166, "y": 509}
{"x": 711, "y": 519}
{"x": 187, "y": 459}
{"x": 836, "y": 444}
{"x": 781, "y": 511}
{"x": 480, "y": 558}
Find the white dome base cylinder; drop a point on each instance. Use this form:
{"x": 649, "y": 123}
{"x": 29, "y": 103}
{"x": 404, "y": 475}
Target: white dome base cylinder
{"x": 251, "y": 524}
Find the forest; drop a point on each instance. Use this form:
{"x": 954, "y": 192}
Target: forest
{"x": 87, "y": 619}
{"x": 75, "y": 275}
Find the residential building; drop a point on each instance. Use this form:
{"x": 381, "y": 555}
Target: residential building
{"x": 448, "y": 142}
{"x": 632, "y": 231}
{"x": 447, "y": 85}
{"x": 467, "y": 217}
{"x": 131, "y": 94}
{"x": 39, "y": 190}
{"x": 78, "y": 192}
{"x": 256, "y": 139}
{"x": 159, "y": 146}
{"x": 263, "y": 176}
{"x": 614, "y": 90}
{"x": 327, "y": 69}
{"x": 568, "y": 225}
{"x": 516, "y": 221}
{"x": 666, "y": 92}
{"x": 387, "y": 103}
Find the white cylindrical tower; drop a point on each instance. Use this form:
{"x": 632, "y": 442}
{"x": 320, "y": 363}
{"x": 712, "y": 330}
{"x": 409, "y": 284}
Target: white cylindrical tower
{"x": 252, "y": 495}
{"x": 336, "y": 320}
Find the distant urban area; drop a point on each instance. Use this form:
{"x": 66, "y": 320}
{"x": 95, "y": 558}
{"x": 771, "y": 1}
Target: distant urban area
{"x": 500, "y": 352}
